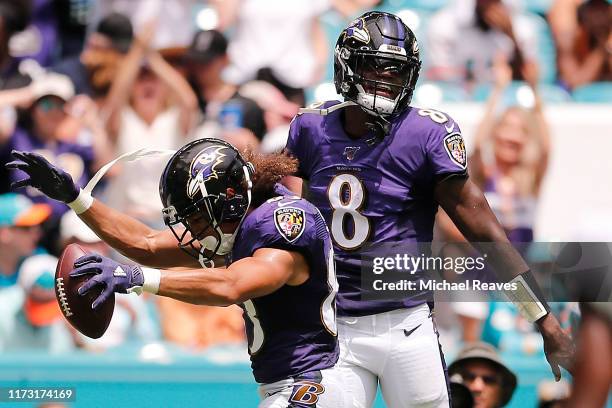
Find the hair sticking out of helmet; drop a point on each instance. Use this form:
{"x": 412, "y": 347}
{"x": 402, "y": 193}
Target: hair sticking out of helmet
{"x": 270, "y": 169}
{"x": 376, "y": 65}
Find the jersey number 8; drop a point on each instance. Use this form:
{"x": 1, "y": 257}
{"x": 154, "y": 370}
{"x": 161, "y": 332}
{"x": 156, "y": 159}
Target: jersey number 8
{"x": 346, "y": 194}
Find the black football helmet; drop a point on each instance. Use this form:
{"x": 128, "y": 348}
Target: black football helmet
{"x": 376, "y": 64}
{"x": 205, "y": 184}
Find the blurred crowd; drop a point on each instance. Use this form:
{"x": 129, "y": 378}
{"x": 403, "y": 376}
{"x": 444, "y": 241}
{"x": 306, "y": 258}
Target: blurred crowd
{"x": 84, "y": 81}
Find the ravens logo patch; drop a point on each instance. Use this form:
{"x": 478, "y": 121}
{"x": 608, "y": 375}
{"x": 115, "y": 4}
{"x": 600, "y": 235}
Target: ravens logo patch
{"x": 455, "y": 147}
{"x": 290, "y": 222}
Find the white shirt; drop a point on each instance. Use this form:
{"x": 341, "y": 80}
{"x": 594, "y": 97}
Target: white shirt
{"x": 454, "y": 41}
{"x": 135, "y": 190}
{"x": 275, "y": 34}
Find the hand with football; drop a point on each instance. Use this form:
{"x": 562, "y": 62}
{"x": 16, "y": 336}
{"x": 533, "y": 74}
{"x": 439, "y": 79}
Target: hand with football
{"x": 108, "y": 273}
{"x": 51, "y": 180}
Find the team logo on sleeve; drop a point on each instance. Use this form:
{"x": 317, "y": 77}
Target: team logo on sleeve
{"x": 204, "y": 167}
{"x": 290, "y": 222}
{"x": 455, "y": 147}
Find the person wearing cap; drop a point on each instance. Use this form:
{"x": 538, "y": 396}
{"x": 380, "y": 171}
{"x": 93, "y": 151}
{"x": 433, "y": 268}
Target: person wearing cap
{"x": 34, "y": 322}
{"x": 47, "y": 124}
{"x": 150, "y": 105}
{"x": 92, "y": 71}
{"x": 226, "y": 111}
{"x": 480, "y": 368}
{"x": 20, "y": 222}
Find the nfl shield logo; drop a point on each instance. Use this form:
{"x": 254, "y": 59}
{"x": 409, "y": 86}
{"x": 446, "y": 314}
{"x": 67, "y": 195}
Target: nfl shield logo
{"x": 290, "y": 222}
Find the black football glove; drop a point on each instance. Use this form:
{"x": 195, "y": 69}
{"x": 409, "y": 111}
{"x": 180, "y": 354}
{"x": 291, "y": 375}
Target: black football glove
{"x": 52, "y": 181}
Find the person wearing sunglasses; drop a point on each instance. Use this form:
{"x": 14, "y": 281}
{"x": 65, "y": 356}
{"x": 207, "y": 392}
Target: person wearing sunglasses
{"x": 479, "y": 367}
{"x": 51, "y": 120}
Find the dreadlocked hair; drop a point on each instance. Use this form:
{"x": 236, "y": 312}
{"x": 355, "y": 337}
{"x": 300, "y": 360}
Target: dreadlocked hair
{"x": 269, "y": 170}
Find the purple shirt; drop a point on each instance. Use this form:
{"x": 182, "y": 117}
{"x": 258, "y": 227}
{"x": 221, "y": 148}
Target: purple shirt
{"x": 74, "y": 158}
{"x": 375, "y": 194}
{"x": 292, "y": 330}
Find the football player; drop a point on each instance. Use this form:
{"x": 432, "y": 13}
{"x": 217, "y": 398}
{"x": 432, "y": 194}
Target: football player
{"x": 377, "y": 169}
{"x": 278, "y": 253}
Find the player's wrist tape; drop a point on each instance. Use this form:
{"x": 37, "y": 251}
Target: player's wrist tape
{"x": 528, "y": 297}
{"x": 152, "y": 279}
{"x": 82, "y": 203}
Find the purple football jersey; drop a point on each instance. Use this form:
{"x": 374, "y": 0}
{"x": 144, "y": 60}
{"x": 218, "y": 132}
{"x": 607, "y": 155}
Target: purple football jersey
{"x": 375, "y": 194}
{"x": 292, "y": 330}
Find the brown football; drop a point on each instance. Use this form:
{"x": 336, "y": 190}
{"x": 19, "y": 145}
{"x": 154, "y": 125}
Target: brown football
{"x": 76, "y": 308}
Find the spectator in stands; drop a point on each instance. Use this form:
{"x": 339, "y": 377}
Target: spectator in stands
{"x": 150, "y": 105}
{"x": 281, "y": 42}
{"x": 227, "y": 114}
{"x": 20, "y": 232}
{"x": 35, "y": 323}
{"x": 479, "y": 367}
{"x": 46, "y": 125}
{"x": 519, "y": 142}
{"x": 40, "y": 39}
{"x": 583, "y": 39}
{"x": 509, "y": 162}
{"x": 131, "y": 319}
{"x": 464, "y": 37}
{"x": 277, "y": 110}
{"x": 14, "y": 17}
{"x": 94, "y": 69}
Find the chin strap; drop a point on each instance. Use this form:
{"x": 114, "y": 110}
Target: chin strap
{"x": 209, "y": 263}
{"x": 326, "y": 111}
{"x": 380, "y": 127}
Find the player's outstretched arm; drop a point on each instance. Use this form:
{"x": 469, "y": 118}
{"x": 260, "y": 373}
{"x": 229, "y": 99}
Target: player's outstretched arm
{"x": 466, "y": 205}
{"x": 259, "y": 275}
{"x": 127, "y": 235}
{"x": 263, "y": 273}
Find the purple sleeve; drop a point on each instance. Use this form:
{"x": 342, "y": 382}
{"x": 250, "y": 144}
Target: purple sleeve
{"x": 445, "y": 149}
{"x": 297, "y": 147}
{"x": 291, "y": 228}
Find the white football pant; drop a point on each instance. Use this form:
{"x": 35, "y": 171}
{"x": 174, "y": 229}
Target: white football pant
{"x": 400, "y": 350}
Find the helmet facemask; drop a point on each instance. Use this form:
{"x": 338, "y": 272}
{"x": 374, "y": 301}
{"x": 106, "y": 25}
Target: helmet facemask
{"x": 197, "y": 227}
{"x": 381, "y": 83}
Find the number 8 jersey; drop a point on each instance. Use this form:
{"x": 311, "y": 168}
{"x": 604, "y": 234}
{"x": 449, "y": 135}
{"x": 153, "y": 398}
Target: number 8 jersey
{"x": 375, "y": 193}
{"x": 292, "y": 330}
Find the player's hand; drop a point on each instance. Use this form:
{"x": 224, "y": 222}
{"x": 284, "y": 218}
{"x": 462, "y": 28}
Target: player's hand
{"x": 52, "y": 181}
{"x": 558, "y": 346}
{"x": 111, "y": 275}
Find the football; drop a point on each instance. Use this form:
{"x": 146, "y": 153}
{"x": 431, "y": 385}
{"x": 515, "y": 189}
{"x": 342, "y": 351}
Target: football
{"x": 76, "y": 308}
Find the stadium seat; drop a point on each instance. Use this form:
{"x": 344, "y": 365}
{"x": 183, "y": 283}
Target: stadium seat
{"x": 519, "y": 93}
{"x": 597, "y": 92}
